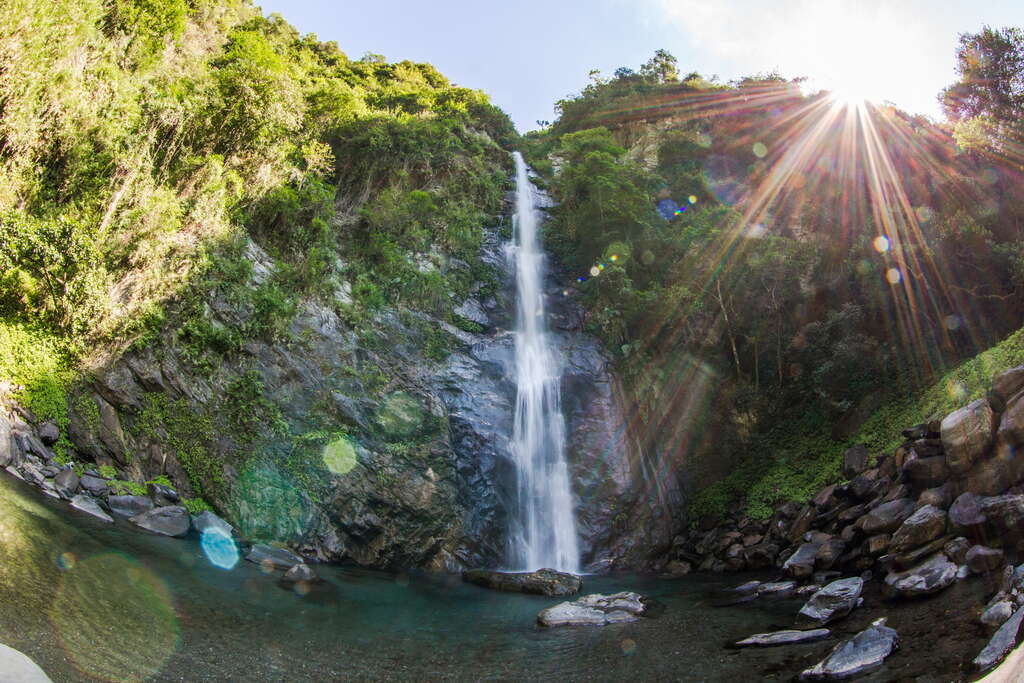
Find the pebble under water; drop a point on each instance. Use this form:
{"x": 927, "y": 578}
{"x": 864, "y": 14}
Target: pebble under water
{"x": 93, "y": 601}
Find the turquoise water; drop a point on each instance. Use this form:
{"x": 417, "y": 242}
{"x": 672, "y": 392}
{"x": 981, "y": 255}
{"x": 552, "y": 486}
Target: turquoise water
{"x": 91, "y": 601}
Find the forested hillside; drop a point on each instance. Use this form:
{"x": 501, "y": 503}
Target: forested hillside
{"x": 773, "y": 267}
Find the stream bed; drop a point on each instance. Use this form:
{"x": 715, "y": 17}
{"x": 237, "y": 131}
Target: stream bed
{"x": 93, "y": 601}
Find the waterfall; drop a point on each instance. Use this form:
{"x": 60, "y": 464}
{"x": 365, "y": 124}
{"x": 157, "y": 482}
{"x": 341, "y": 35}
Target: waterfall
{"x": 544, "y": 533}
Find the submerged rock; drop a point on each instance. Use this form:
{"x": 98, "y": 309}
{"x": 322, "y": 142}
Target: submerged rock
{"x": 594, "y": 610}
{"x": 789, "y": 637}
{"x": 776, "y": 589}
{"x": 540, "y": 582}
{"x": 276, "y": 558}
{"x": 1002, "y": 642}
{"x": 864, "y": 652}
{"x": 89, "y": 505}
{"x": 208, "y": 521}
{"x": 172, "y": 520}
{"x": 832, "y": 602}
{"x": 129, "y": 506}
{"x": 300, "y": 572}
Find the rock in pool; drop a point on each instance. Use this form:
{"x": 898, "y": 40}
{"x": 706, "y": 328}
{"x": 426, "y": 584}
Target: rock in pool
{"x": 276, "y": 558}
{"x": 930, "y": 576}
{"x": 88, "y": 504}
{"x": 594, "y": 610}
{"x": 865, "y": 651}
{"x": 541, "y": 582}
{"x": 1002, "y": 642}
{"x": 790, "y": 637}
{"x": 300, "y": 572}
{"x": 172, "y": 520}
{"x": 129, "y": 506}
{"x": 832, "y": 602}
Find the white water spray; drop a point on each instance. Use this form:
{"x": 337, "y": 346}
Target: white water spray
{"x": 545, "y": 533}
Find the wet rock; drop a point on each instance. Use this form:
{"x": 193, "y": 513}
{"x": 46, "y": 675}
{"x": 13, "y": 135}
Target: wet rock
{"x": 790, "y": 637}
{"x": 48, "y": 432}
{"x": 864, "y": 652}
{"x": 1003, "y": 640}
{"x": 276, "y": 558}
{"x": 594, "y": 610}
{"x": 1004, "y": 516}
{"x": 940, "y": 496}
{"x": 983, "y": 560}
{"x": 129, "y": 506}
{"x": 540, "y": 582}
{"x": 66, "y": 483}
{"x": 967, "y": 434}
{"x": 300, "y": 572}
{"x": 677, "y": 568}
{"x": 832, "y": 602}
{"x": 990, "y": 476}
{"x": 89, "y": 505}
{"x": 1007, "y": 384}
{"x": 867, "y": 485}
{"x": 829, "y": 553}
{"x": 931, "y": 576}
{"x": 877, "y": 544}
{"x": 208, "y": 521}
{"x": 162, "y": 495}
{"x": 802, "y": 524}
{"x": 801, "y": 562}
{"x": 826, "y": 498}
{"x": 94, "y": 485}
{"x": 957, "y": 549}
{"x": 926, "y": 524}
{"x": 855, "y": 461}
{"x": 996, "y": 614}
{"x": 172, "y": 520}
{"x": 887, "y": 517}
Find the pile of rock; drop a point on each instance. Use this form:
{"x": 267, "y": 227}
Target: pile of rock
{"x": 946, "y": 503}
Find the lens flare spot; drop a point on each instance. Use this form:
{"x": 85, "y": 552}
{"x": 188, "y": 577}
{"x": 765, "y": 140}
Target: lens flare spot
{"x": 692, "y": 199}
{"x": 219, "y": 548}
{"x": 668, "y": 208}
{"x": 581, "y": 279}
{"x": 647, "y": 258}
{"x": 956, "y": 390}
{"x": 565, "y": 292}
{"x": 881, "y": 244}
{"x": 339, "y": 456}
{"x": 953, "y": 322}
{"x": 613, "y": 258}
{"x": 267, "y": 566}
{"x": 301, "y": 588}
{"x": 864, "y": 267}
{"x": 595, "y": 271}
{"x": 600, "y": 266}
{"x": 760, "y": 150}
{"x": 893, "y": 275}
{"x": 924, "y": 214}
{"x": 628, "y": 647}
{"x": 66, "y": 561}
{"x": 113, "y": 595}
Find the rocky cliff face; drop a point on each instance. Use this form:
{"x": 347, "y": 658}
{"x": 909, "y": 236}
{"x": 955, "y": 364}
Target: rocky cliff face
{"x": 362, "y": 443}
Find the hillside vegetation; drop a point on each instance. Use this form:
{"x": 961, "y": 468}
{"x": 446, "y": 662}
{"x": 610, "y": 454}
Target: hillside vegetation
{"x": 770, "y": 267}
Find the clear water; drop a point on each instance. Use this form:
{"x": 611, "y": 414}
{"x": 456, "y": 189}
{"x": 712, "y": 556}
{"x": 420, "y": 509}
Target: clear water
{"x": 91, "y": 601}
{"x": 545, "y": 527}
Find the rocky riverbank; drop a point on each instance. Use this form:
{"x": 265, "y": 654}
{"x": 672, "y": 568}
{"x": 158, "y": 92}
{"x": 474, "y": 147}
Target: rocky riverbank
{"x": 946, "y": 505}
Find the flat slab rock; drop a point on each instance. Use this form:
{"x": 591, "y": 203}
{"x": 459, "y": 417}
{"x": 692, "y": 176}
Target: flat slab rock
{"x": 930, "y": 576}
{"x": 540, "y": 582}
{"x": 789, "y": 637}
{"x": 172, "y": 520}
{"x": 89, "y": 505}
{"x": 1003, "y": 640}
{"x": 594, "y": 610}
{"x": 276, "y": 558}
{"x": 832, "y": 602}
{"x": 864, "y": 652}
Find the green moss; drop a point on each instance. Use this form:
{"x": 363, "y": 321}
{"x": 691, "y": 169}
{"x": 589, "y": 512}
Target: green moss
{"x": 196, "y": 506}
{"x": 189, "y": 435}
{"x": 39, "y": 363}
{"x": 119, "y": 487}
{"x": 107, "y": 471}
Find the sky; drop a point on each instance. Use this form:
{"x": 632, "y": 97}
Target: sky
{"x": 528, "y": 54}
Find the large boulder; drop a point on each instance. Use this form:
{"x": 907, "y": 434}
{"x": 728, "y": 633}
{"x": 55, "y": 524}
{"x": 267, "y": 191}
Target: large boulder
{"x": 1003, "y": 640}
{"x": 162, "y": 495}
{"x": 94, "y": 485}
{"x": 926, "y": 473}
{"x": 49, "y": 433}
{"x": 1004, "y": 517}
{"x": 129, "y": 506}
{"x": 66, "y": 483}
{"x": 864, "y": 652}
{"x": 272, "y": 558}
{"x": 983, "y": 560}
{"x": 300, "y": 573}
{"x": 6, "y": 442}
{"x": 594, "y": 610}
{"x": 17, "y": 667}
{"x": 928, "y": 577}
{"x": 832, "y": 602}
{"x": 1011, "y": 425}
{"x": 172, "y": 520}
{"x": 926, "y": 524}
{"x": 887, "y": 517}
{"x": 208, "y": 521}
{"x": 1007, "y": 384}
{"x": 540, "y": 582}
{"x": 967, "y": 434}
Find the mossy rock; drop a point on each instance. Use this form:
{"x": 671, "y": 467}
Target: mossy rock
{"x": 400, "y": 415}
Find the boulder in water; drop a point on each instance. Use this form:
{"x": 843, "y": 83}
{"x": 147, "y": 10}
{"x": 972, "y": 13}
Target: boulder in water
{"x": 300, "y": 572}
{"x": 864, "y": 652}
{"x": 1002, "y": 642}
{"x": 930, "y": 576}
{"x": 832, "y": 602}
{"x": 172, "y": 520}
{"x": 87, "y": 504}
{"x": 790, "y": 637}
{"x": 594, "y": 610}
{"x": 129, "y": 506}
{"x": 274, "y": 558}
{"x": 540, "y": 582}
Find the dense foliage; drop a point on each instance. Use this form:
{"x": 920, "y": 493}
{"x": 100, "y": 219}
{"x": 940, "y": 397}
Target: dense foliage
{"x": 770, "y": 268}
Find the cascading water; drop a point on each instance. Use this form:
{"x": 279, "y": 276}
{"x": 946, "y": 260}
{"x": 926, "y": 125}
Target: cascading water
{"x": 545, "y": 533}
